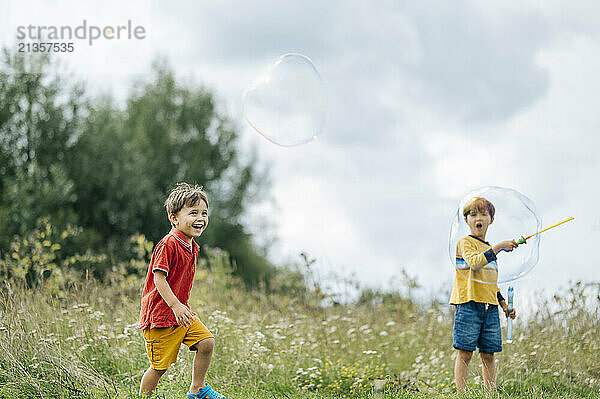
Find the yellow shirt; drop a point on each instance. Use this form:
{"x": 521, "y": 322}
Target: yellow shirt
{"x": 475, "y": 260}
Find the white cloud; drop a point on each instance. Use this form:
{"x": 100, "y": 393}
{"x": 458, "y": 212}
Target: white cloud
{"x": 426, "y": 103}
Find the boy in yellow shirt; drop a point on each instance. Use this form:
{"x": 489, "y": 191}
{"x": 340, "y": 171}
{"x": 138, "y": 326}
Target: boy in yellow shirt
{"x": 476, "y": 296}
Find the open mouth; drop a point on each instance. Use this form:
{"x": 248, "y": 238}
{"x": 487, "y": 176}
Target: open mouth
{"x": 198, "y": 225}
{"x": 479, "y": 225}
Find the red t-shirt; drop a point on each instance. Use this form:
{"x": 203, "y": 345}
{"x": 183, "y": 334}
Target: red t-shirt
{"x": 176, "y": 257}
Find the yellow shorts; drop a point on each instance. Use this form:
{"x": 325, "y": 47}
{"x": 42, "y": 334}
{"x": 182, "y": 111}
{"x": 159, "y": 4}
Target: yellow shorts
{"x": 162, "y": 344}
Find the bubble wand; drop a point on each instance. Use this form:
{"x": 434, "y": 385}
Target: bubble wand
{"x": 511, "y": 293}
{"x": 523, "y": 240}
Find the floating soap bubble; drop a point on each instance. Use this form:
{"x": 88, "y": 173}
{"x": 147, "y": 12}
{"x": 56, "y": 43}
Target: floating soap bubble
{"x": 515, "y": 216}
{"x": 287, "y": 102}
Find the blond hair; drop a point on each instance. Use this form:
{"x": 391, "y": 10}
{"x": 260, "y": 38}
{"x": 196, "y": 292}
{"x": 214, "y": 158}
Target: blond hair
{"x": 184, "y": 195}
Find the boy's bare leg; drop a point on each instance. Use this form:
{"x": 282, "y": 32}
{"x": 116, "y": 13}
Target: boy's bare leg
{"x": 489, "y": 371}
{"x": 460, "y": 369}
{"x": 150, "y": 381}
{"x": 204, "y": 351}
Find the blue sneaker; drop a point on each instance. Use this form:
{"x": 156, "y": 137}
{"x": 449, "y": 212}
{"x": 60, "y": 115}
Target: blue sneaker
{"x": 206, "y": 393}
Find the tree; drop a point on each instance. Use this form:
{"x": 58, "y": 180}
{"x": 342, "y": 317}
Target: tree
{"x": 109, "y": 170}
{"x": 39, "y": 120}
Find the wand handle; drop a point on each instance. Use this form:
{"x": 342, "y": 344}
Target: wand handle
{"x": 551, "y": 227}
{"x": 523, "y": 240}
{"x": 509, "y": 329}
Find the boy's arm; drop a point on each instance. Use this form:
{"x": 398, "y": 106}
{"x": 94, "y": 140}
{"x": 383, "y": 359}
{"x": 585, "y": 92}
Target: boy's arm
{"x": 504, "y": 306}
{"x": 183, "y": 315}
{"x": 476, "y": 260}
{"x": 507, "y": 246}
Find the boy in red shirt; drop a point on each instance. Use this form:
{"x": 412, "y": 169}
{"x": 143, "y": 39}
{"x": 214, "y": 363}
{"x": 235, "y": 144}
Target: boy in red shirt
{"x": 166, "y": 319}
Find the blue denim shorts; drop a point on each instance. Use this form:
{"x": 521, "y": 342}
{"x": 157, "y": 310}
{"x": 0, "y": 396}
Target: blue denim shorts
{"x": 477, "y": 325}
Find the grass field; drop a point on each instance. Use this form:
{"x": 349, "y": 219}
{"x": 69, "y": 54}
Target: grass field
{"x": 81, "y": 341}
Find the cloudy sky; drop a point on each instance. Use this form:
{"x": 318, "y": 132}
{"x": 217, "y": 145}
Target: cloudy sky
{"x": 428, "y": 101}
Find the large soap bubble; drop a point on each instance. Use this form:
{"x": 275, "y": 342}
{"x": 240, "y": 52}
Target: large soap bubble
{"x": 287, "y": 102}
{"x": 515, "y": 216}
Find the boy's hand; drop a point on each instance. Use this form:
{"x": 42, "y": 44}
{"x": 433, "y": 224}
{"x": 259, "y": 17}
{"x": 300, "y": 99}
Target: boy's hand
{"x": 512, "y": 314}
{"x": 507, "y": 246}
{"x": 183, "y": 315}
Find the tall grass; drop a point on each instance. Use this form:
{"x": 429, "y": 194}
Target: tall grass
{"x": 83, "y": 343}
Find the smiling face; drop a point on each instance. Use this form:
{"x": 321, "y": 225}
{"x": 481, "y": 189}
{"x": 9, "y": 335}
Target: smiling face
{"x": 478, "y": 222}
{"x": 191, "y": 220}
